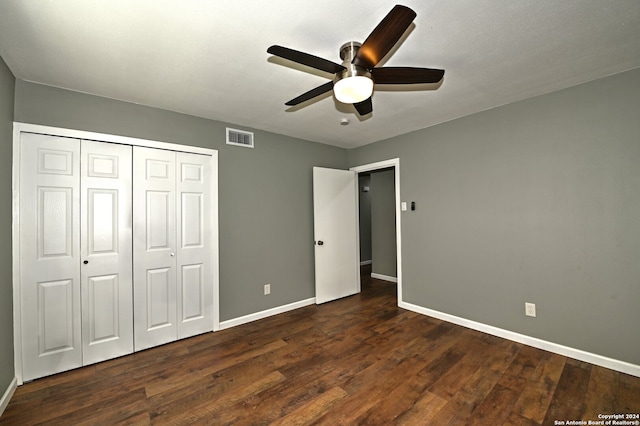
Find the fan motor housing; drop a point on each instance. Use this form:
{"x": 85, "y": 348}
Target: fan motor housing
{"x": 348, "y": 51}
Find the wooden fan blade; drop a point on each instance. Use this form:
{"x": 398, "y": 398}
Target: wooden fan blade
{"x": 311, "y": 94}
{"x": 305, "y": 59}
{"x": 365, "y": 107}
{"x": 384, "y": 37}
{"x": 406, "y": 75}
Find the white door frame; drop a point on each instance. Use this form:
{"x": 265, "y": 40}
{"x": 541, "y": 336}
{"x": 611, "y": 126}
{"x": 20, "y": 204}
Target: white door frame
{"x": 395, "y": 163}
{"x": 19, "y": 128}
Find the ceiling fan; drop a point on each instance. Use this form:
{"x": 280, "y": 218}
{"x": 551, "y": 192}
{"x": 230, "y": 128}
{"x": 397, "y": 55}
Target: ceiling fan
{"x": 355, "y": 77}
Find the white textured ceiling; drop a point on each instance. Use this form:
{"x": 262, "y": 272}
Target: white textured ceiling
{"x": 208, "y": 58}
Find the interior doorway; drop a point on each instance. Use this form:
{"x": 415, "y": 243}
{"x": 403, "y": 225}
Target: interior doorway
{"x": 379, "y": 170}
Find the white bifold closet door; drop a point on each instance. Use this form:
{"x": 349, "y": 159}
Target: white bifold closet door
{"x": 115, "y": 250}
{"x": 75, "y": 253}
{"x": 172, "y": 246}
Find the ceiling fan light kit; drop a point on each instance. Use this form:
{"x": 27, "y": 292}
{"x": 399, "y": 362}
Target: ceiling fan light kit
{"x": 355, "y": 78}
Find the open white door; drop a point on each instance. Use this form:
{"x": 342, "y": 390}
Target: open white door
{"x": 336, "y": 233}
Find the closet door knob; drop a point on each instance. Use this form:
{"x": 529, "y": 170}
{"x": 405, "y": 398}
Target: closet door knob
{"x": 86, "y": 262}
{"x": 173, "y": 254}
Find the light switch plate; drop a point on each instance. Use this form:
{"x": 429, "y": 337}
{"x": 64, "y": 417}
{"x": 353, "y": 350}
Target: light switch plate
{"x": 403, "y": 206}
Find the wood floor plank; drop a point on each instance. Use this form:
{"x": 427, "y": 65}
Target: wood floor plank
{"x": 535, "y": 399}
{"x": 450, "y": 383}
{"x": 408, "y": 400}
{"x": 496, "y": 407}
{"x": 313, "y": 410}
{"x": 526, "y": 362}
{"x": 67, "y": 380}
{"x": 517, "y": 420}
{"x": 302, "y": 386}
{"x": 214, "y": 411}
{"x": 423, "y": 410}
{"x": 401, "y": 320}
{"x": 132, "y": 404}
{"x": 499, "y": 402}
{"x": 178, "y": 377}
{"x": 570, "y": 394}
{"x": 368, "y": 398}
{"x": 132, "y": 412}
{"x": 455, "y": 412}
{"x": 628, "y": 400}
{"x": 210, "y": 387}
{"x": 602, "y": 393}
{"x": 358, "y": 360}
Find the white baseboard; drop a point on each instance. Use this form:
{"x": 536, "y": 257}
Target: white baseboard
{"x": 365, "y": 262}
{"x": 603, "y": 361}
{"x": 264, "y": 314}
{"x": 8, "y": 394}
{"x": 384, "y": 277}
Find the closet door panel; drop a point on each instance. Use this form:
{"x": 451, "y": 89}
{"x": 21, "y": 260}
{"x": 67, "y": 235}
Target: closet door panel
{"x": 154, "y": 247}
{"x": 195, "y": 286}
{"x": 107, "y": 285}
{"x": 158, "y": 220}
{"x": 193, "y": 302}
{"x": 102, "y": 309}
{"x": 49, "y": 255}
{"x": 55, "y": 313}
{"x": 159, "y": 299}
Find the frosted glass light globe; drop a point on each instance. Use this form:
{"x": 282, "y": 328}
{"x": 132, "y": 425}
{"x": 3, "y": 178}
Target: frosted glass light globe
{"x": 351, "y": 90}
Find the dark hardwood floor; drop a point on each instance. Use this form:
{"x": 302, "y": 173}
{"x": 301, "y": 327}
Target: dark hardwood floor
{"x": 359, "y": 360}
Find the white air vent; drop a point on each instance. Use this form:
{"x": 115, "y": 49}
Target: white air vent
{"x": 239, "y": 138}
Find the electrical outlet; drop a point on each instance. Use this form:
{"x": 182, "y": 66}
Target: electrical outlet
{"x": 267, "y": 289}
{"x": 530, "y": 309}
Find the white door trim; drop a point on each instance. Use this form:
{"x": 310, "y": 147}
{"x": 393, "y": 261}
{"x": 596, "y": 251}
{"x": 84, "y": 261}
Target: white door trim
{"x": 19, "y": 128}
{"x": 395, "y": 163}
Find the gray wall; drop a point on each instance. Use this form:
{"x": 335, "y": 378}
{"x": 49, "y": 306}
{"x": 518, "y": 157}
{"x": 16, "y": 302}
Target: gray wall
{"x": 7, "y": 83}
{"x": 266, "y": 206}
{"x": 537, "y": 201}
{"x": 364, "y": 211}
{"x": 383, "y": 223}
